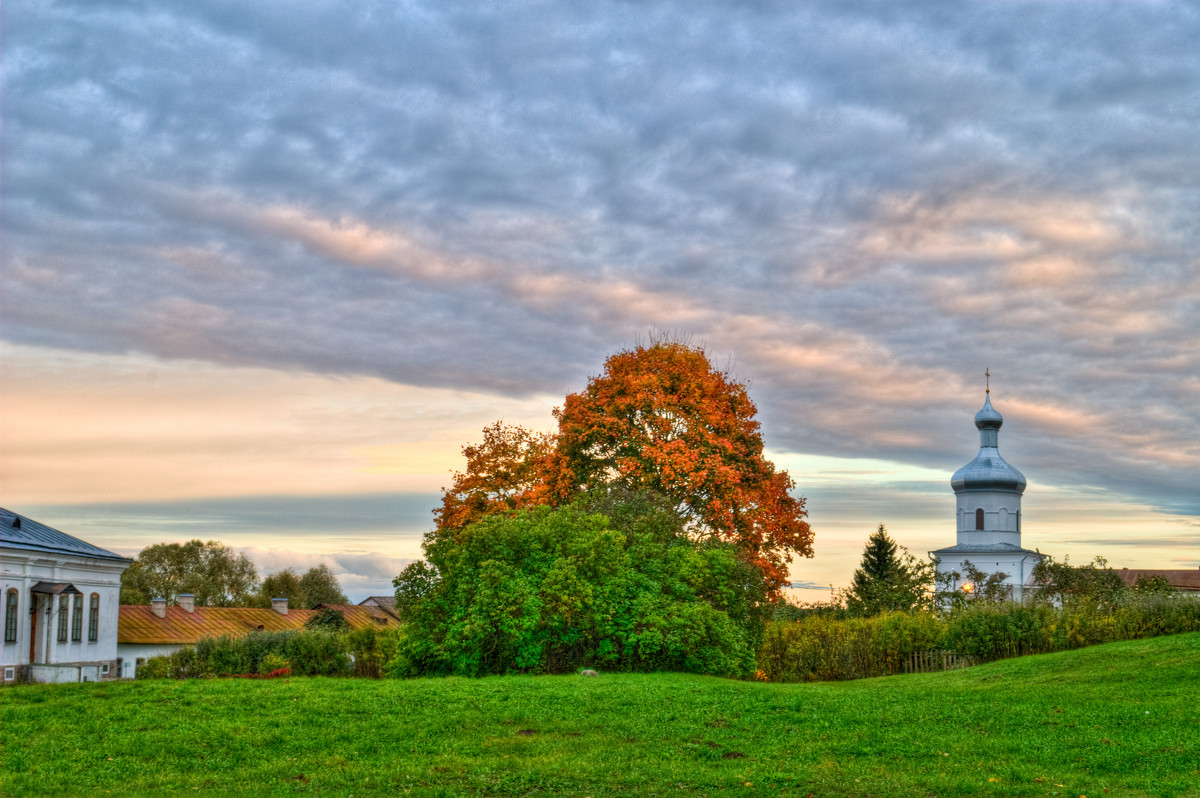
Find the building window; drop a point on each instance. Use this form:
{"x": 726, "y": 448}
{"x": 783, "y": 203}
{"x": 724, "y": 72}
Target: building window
{"x": 979, "y": 518}
{"x": 64, "y": 610}
{"x": 10, "y": 674}
{"x": 104, "y": 669}
{"x": 10, "y": 617}
{"x": 94, "y": 618}
{"x": 77, "y": 620}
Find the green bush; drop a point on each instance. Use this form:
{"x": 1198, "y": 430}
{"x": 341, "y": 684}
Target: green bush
{"x": 315, "y": 652}
{"x": 307, "y": 653}
{"x": 824, "y": 647}
{"x": 155, "y": 668}
{"x": 556, "y": 590}
{"x": 373, "y": 650}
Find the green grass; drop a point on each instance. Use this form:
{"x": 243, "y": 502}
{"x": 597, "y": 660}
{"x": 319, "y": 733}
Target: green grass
{"x": 1120, "y": 719}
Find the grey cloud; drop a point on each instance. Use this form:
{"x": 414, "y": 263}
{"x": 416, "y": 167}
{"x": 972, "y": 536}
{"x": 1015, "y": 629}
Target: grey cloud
{"x": 276, "y": 517}
{"x": 758, "y": 175}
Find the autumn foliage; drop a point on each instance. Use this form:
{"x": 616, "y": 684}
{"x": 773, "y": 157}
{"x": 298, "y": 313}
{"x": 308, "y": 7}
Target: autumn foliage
{"x": 660, "y": 418}
{"x": 503, "y": 473}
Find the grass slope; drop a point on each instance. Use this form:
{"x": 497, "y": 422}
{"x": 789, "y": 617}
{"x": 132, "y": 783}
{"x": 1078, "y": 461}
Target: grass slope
{"x": 1120, "y": 719}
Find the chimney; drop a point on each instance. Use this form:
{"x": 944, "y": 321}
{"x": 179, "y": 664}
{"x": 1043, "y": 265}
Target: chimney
{"x": 159, "y": 607}
{"x": 187, "y": 601}
{"x": 279, "y": 605}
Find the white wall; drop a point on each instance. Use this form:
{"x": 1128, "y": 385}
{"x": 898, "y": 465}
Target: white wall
{"x": 130, "y": 653}
{"x": 22, "y": 569}
{"x": 1000, "y": 512}
{"x": 1017, "y": 566}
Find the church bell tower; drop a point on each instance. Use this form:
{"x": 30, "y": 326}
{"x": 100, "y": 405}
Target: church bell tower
{"x": 987, "y": 499}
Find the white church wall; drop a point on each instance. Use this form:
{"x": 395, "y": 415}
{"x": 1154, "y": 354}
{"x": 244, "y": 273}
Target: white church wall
{"x": 20, "y": 570}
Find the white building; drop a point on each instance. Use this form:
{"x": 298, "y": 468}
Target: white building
{"x": 988, "y": 492}
{"x": 60, "y": 604}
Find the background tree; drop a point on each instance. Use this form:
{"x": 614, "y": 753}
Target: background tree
{"x": 318, "y": 585}
{"x": 212, "y": 571}
{"x": 282, "y": 584}
{"x": 887, "y": 580}
{"x": 502, "y": 474}
{"x": 661, "y": 418}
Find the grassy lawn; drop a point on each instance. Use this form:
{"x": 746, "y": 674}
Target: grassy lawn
{"x": 1121, "y": 719}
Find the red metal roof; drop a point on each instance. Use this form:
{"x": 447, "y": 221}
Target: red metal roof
{"x": 138, "y": 623}
{"x": 1179, "y": 579}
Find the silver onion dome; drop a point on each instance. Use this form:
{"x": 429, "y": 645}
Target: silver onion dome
{"x": 988, "y": 418}
{"x": 988, "y": 471}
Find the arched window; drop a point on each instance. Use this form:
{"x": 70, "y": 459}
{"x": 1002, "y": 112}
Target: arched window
{"x": 64, "y": 609}
{"x": 979, "y": 518}
{"x": 94, "y": 618}
{"x": 77, "y": 619}
{"x": 10, "y": 617}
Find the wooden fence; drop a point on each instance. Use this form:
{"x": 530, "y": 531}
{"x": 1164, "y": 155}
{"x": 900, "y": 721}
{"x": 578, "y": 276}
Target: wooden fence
{"x": 932, "y": 661}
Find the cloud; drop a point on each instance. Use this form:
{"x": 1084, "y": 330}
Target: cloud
{"x": 863, "y": 204}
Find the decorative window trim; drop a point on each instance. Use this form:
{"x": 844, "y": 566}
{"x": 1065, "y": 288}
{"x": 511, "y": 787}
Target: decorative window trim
{"x": 64, "y": 614}
{"x": 11, "y": 601}
{"x": 93, "y": 618}
{"x": 77, "y": 619}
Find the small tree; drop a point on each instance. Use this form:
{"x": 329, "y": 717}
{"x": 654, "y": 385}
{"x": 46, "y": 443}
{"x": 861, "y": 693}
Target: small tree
{"x": 977, "y": 587}
{"x": 282, "y": 584}
{"x": 320, "y": 586}
{"x": 329, "y": 619}
{"x": 1092, "y": 585}
{"x": 1153, "y": 585}
{"x": 888, "y": 580}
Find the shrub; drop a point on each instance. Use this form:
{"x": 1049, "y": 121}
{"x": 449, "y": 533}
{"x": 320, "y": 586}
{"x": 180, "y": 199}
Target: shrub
{"x": 317, "y": 653}
{"x": 373, "y": 650}
{"x": 329, "y": 619}
{"x": 306, "y": 653}
{"x": 155, "y": 668}
{"x": 555, "y": 590}
{"x": 273, "y": 663}
{"x": 825, "y": 648}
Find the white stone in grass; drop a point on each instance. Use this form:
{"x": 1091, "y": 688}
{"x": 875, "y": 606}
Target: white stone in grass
{"x": 588, "y": 672}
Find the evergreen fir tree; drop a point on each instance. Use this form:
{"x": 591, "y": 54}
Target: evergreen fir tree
{"x": 886, "y": 580}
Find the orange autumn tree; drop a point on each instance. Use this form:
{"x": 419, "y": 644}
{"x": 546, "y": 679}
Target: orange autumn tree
{"x": 662, "y": 418}
{"x": 502, "y": 472}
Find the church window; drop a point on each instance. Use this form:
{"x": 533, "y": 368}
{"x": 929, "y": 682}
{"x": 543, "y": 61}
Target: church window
{"x": 979, "y": 518}
{"x": 77, "y": 620}
{"x": 94, "y": 618}
{"x": 10, "y": 617}
{"x": 64, "y": 609}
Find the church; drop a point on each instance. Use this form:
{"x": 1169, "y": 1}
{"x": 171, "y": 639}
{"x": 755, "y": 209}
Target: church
{"x": 987, "y": 494}
{"x": 61, "y": 596}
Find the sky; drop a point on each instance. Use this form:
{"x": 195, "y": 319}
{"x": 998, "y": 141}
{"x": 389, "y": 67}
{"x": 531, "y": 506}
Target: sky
{"x": 267, "y": 267}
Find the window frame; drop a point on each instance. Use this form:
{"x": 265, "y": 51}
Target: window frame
{"x": 94, "y": 618}
{"x": 77, "y": 619}
{"x": 12, "y": 603}
{"x": 64, "y": 613}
